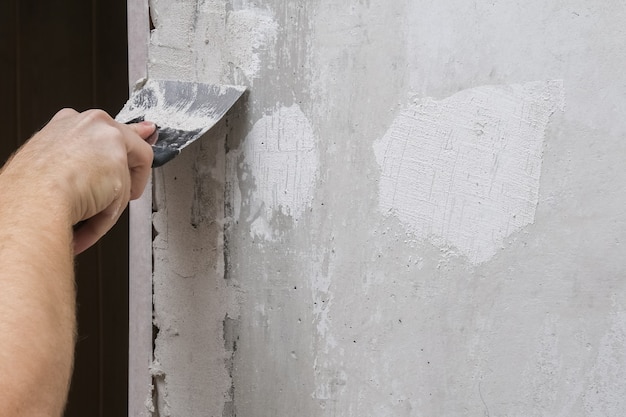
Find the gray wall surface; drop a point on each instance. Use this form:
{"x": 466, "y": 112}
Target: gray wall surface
{"x": 417, "y": 210}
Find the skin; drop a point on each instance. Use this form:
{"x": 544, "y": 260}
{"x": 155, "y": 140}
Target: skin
{"x": 80, "y": 168}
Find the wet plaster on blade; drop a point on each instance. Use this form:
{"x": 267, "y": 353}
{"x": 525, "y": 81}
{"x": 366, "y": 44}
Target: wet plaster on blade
{"x": 465, "y": 171}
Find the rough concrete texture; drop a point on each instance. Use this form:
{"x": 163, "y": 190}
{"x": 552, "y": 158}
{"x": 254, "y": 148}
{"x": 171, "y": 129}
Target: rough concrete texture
{"x": 418, "y": 210}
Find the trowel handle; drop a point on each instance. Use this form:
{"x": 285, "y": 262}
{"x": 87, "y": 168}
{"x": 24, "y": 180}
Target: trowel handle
{"x": 162, "y": 155}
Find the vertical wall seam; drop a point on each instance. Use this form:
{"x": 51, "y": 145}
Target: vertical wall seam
{"x": 140, "y": 304}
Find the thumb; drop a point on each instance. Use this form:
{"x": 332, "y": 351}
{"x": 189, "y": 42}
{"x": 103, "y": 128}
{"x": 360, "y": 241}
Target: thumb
{"x": 140, "y": 154}
{"x": 146, "y": 130}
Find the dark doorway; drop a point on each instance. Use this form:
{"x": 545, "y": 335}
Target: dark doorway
{"x": 73, "y": 53}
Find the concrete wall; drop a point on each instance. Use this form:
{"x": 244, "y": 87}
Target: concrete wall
{"x": 417, "y": 210}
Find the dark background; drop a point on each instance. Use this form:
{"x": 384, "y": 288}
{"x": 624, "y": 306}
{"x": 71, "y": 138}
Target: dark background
{"x": 73, "y": 53}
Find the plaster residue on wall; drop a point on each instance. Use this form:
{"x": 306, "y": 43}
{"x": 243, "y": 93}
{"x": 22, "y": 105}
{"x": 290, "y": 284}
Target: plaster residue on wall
{"x": 190, "y": 293}
{"x": 209, "y": 41}
{"x": 250, "y": 32}
{"x": 170, "y": 40}
{"x": 606, "y": 393}
{"x": 465, "y": 171}
{"x": 281, "y": 156}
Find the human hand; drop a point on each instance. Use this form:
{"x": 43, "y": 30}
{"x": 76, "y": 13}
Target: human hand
{"x": 91, "y": 164}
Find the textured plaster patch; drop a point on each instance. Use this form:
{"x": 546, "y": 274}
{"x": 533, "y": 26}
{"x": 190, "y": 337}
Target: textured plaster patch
{"x": 205, "y": 41}
{"x": 281, "y": 155}
{"x": 191, "y": 295}
{"x": 465, "y": 171}
{"x": 250, "y": 32}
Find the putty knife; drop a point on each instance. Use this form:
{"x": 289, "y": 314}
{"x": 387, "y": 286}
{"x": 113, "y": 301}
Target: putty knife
{"x": 183, "y": 111}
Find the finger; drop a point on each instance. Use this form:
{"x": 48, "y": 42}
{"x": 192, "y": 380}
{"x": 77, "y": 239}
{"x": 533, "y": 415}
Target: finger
{"x": 140, "y": 156}
{"x": 90, "y": 232}
{"x": 93, "y": 229}
{"x": 152, "y": 140}
{"x": 144, "y": 129}
{"x": 85, "y": 237}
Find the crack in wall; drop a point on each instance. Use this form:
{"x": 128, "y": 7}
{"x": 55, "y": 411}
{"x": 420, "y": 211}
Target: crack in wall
{"x": 158, "y": 377}
{"x": 231, "y": 329}
{"x": 155, "y": 399}
{"x": 159, "y": 406}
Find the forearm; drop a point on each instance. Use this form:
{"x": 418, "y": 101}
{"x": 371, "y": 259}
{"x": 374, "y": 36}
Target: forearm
{"x": 37, "y": 307}
{"x": 81, "y": 167}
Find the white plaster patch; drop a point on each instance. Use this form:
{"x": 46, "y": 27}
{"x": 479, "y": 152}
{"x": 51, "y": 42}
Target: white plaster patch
{"x": 250, "y": 32}
{"x": 323, "y": 300}
{"x": 261, "y": 228}
{"x": 281, "y": 155}
{"x": 465, "y": 171}
{"x": 170, "y": 40}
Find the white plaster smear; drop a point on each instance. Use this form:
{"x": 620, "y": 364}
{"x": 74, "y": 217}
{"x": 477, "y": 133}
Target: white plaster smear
{"x": 204, "y": 41}
{"x": 250, "y": 32}
{"x": 465, "y": 171}
{"x": 281, "y": 155}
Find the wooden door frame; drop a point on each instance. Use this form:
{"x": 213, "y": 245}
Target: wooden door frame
{"x": 140, "y": 240}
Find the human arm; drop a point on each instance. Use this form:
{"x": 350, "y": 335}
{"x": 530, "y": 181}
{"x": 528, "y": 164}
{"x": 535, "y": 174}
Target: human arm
{"x": 81, "y": 167}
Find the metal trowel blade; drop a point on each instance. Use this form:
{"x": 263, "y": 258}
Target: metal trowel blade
{"x": 183, "y": 111}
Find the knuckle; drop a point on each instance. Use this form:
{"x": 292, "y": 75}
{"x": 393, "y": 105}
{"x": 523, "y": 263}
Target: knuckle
{"x": 112, "y": 132}
{"x": 65, "y": 112}
{"x": 96, "y": 115}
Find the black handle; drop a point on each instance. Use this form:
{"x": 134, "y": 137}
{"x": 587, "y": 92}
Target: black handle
{"x": 162, "y": 155}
